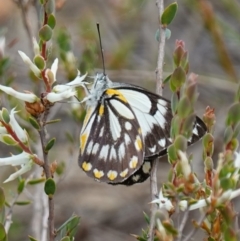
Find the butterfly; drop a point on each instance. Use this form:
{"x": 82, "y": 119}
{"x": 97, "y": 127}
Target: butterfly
{"x": 124, "y": 129}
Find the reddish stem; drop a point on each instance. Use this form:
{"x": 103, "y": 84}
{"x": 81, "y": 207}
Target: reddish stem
{"x": 23, "y": 147}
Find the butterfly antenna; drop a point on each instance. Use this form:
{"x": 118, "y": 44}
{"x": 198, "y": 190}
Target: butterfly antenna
{"x": 100, "y": 41}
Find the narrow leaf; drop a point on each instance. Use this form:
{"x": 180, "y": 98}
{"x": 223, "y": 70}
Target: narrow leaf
{"x": 169, "y": 13}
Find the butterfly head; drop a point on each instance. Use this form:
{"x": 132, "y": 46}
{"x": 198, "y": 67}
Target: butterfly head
{"x": 100, "y": 84}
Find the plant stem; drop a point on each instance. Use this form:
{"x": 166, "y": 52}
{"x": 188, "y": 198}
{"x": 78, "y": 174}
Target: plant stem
{"x": 159, "y": 81}
{"x": 48, "y": 174}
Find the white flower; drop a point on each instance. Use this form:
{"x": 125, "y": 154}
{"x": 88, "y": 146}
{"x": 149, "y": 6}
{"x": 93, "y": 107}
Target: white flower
{"x": 21, "y": 134}
{"x": 28, "y": 97}
{"x": 51, "y": 73}
{"x": 78, "y": 81}
{"x": 186, "y": 168}
{"x": 3, "y": 130}
{"x": 24, "y": 159}
{"x": 30, "y": 64}
{"x": 61, "y": 92}
{"x": 36, "y": 46}
{"x": 163, "y": 202}
{"x": 54, "y": 97}
{"x": 54, "y": 68}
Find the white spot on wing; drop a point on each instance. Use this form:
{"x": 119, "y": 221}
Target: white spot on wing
{"x": 135, "y": 178}
{"x": 160, "y": 118}
{"x": 104, "y": 152}
{"x": 89, "y": 147}
{"x": 101, "y": 132}
{"x": 128, "y": 125}
{"x": 162, "y": 142}
{"x": 127, "y": 139}
{"x": 95, "y": 148}
{"x": 113, "y": 153}
{"x": 162, "y": 109}
{"x": 162, "y": 102}
{"x": 152, "y": 149}
{"x": 146, "y": 167}
{"x": 115, "y": 127}
{"x": 121, "y": 151}
{"x": 195, "y": 131}
{"x": 122, "y": 109}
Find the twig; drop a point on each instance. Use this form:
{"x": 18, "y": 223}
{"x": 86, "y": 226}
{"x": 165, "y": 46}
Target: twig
{"x": 159, "y": 80}
{"x": 183, "y": 223}
{"x": 194, "y": 230}
{"x": 8, "y": 220}
{"x": 24, "y": 10}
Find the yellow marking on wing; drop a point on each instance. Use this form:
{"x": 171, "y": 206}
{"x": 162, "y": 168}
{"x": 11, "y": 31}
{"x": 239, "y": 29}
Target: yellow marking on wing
{"x": 86, "y": 166}
{"x": 133, "y": 163}
{"x": 138, "y": 143}
{"x": 98, "y": 174}
{"x": 83, "y": 140}
{"x": 112, "y": 175}
{"x": 118, "y": 93}
{"x": 139, "y": 131}
{"x": 124, "y": 173}
{"x": 101, "y": 110}
{"x": 87, "y": 116}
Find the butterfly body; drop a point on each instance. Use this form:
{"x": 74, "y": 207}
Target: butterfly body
{"x": 125, "y": 127}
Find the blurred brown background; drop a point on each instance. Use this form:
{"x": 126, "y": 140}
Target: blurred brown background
{"x": 211, "y": 33}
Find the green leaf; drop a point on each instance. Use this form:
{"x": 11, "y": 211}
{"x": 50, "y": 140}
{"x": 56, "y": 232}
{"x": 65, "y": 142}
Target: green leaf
{"x": 187, "y": 125}
{"x": 228, "y": 134}
{"x": 50, "y": 144}
{"x": 50, "y": 187}
{"x": 22, "y": 203}
{"x": 21, "y": 186}
{"x": 178, "y": 77}
{"x": 34, "y": 123}
{"x": 65, "y": 239}
{"x": 146, "y": 217}
{"x": 45, "y": 33}
{"x": 5, "y": 115}
{"x": 180, "y": 143}
{"x": 69, "y": 228}
{"x": 53, "y": 121}
{"x": 233, "y": 114}
{"x": 32, "y": 238}
{"x": 172, "y": 153}
{"x": 36, "y": 181}
{"x": 236, "y": 130}
{"x": 50, "y": 6}
{"x": 168, "y": 33}
{"x": 3, "y": 235}
{"x": 184, "y": 107}
{"x": 8, "y": 140}
{"x": 157, "y": 35}
{"x": 170, "y": 228}
{"x": 169, "y": 14}
{"x": 60, "y": 168}
{"x": 227, "y": 183}
{"x": 39, "y": 62}
{"x": 167, "y": 79}
{"x": 51, "y": 21}
{"x": 2, "y": 198}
